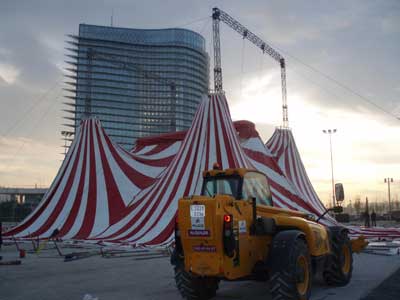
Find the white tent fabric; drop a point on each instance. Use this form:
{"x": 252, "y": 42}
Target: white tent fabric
{"x": 212, "y": 138}
{"x": 92, "y": 189}
{"x": 104, "y": 193}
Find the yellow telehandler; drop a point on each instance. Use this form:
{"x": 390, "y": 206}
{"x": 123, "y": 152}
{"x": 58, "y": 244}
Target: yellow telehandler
{"x": 232, "y": 232}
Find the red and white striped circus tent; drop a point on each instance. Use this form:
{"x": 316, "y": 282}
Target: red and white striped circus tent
{"x": 104, "y": 193}
{"x": 286, "y": 192}
{"x": 283, "y": 148}
{"x": 280, "y": 160}
{"x": 160, "y": 146}
{"x": 211, "y": 138}
{"x": 92, "y": 189}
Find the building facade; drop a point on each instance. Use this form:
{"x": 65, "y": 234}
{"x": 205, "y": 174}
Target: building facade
{"x": 137, "y": 82}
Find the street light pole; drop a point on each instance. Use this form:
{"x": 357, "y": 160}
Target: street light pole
{"x": 388, "y": 181}
{"x": 330, "y": 132}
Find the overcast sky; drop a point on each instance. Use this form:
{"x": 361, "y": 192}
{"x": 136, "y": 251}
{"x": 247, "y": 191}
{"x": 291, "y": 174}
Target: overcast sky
{"x": 355, "y": 42}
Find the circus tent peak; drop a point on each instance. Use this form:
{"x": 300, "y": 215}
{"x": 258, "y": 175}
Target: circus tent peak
{"x": 211, "y": 138}
{"x": 93, "y": 186}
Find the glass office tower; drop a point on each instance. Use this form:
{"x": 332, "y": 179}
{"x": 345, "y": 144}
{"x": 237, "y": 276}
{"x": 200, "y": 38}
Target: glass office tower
{"x": 138, "y": 82}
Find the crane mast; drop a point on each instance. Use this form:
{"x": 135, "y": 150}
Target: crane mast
{"x": 219, "y": 15}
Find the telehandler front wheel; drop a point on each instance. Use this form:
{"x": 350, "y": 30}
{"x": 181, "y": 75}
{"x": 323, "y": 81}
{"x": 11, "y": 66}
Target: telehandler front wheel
{"x": 340, "y": 266}
{"x": 195, "y": 288}
{"x": 291, "y": 277}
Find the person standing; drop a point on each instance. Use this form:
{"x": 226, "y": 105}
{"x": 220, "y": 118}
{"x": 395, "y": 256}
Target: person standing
{"x": 373, "y": 218}
{"x": 366, "y": 219}
{"x": 367, "y": 222}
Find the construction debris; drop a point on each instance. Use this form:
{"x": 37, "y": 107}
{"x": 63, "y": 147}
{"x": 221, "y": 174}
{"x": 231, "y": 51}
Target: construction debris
{"x": 386, "y": 248}
{"x": 79, "y": 255}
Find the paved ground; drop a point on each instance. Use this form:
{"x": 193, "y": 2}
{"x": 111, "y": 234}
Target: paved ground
{"x": 125, "y": 278}
{"x": 388, "y": 290}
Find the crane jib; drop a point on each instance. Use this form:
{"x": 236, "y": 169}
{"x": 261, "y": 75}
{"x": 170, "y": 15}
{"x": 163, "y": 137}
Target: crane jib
{"x": 219, "y": 15}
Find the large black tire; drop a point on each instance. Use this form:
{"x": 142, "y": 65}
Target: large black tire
{"x": 339, "y": 268}
{"x": 195, "y": 288}
{"x": 289, "y": 279}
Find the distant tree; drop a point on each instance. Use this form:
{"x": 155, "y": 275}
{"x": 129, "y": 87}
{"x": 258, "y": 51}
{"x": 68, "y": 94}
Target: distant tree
{"x": 7, "y": 210}
{"x": 13, "y": 212}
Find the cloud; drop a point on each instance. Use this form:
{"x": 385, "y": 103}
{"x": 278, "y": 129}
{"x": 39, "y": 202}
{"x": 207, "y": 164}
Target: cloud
{"x": 8, "y": 73}
{"x": 29, "y": 61}
{"x": 26, "y": 161}
{"x": 365, "y": 147}
{"x": 2, "y": 81}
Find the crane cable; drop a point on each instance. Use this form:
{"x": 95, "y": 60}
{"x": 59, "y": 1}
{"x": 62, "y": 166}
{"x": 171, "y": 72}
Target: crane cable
{"x": 33, "y": 105}
{"x": 242, "y": 66}
{"x": 338, "y": 83}
{"x": 33, "y": 128}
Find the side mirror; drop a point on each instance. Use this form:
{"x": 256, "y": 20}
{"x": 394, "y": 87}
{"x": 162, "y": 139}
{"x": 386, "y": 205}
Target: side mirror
{"x": 337, "y": 209}
{"x": 339, "y": 192}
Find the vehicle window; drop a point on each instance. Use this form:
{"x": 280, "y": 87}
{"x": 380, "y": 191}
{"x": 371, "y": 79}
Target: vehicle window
{"x": 221, "y": 186}
{"x": 256, "y": 185}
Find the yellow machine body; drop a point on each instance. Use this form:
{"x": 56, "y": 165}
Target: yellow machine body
{"x": 204, "y": 248}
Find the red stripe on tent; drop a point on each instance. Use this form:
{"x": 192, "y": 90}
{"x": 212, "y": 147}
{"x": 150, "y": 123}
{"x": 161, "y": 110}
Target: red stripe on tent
{"x": 164, "y": 234}
{"x": 90, "y": 213}
{"x": 206, "y": 165}
{"x": 293, "y": 198}
{"x": 166, "y": 138}
{"x": 158, "y": 149}
{"x": 116, "y": 204}
{"x": 228, "y": 146}
{"x": 264, "y": 160}
{"x": 78, "y": 200}
{"x": 160, "y": 162}
{"x": 218, "y": 148}
{"x": 140, "y": 180}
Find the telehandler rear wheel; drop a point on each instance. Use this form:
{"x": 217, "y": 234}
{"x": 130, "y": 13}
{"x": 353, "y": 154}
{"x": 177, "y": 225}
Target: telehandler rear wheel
{"x": 195, "y": 288}
{"x": 291, "y": 277}
{"x": 340, "y": 267}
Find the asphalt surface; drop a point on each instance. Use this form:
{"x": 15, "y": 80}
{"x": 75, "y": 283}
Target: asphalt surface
{"x": 48, "y": 277}
{"x": 387, "y": 290}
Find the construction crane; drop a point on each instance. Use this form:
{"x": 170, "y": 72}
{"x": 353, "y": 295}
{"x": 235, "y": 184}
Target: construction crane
{"x": 116, "y": 61}
{"x": 219, "y": 15}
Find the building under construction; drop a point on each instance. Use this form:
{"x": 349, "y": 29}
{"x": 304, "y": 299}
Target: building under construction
{"x": 137, "y": 82}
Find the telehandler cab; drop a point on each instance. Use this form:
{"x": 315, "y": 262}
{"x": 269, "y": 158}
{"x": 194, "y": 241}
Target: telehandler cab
{"x": 232, "y": 232}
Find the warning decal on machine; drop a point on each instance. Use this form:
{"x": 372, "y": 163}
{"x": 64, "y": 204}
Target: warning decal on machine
{"x": 197, "y": 214}
{"x": 197, "y": 211}
{"x": 199, "y": 232}
{"x": 242, "y": 226}
{"x": 204, "y": 248}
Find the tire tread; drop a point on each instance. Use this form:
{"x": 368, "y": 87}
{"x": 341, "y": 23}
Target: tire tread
{"x": 333, "y": 274}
